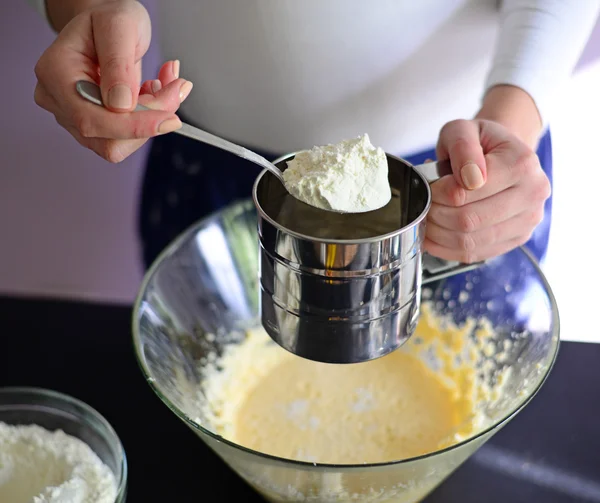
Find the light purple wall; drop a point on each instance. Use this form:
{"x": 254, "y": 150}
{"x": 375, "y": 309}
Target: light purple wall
{"x": 592, "y": 50}
{"x": 67, "y": 219}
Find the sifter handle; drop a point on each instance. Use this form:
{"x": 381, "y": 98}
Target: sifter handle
{"x": 434, "y": 170}
{"x": 436, "y": 268}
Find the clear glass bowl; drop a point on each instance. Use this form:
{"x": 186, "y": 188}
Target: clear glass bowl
{"x": 202, "y": 294}
{"x": 57, "y": 411}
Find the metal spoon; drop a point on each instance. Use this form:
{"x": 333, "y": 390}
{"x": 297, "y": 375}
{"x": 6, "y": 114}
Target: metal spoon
{"x": 91, "y": 92}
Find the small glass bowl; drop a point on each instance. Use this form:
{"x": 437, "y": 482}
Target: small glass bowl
{"x": 56, "y": 411}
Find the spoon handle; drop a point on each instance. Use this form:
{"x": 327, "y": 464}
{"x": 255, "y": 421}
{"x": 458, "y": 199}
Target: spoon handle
{"x": 91, "y": 92}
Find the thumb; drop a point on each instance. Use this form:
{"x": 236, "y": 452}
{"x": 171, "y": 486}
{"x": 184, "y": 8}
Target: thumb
{"x": 120, "y": 43}
{"x": 460, "y": 142}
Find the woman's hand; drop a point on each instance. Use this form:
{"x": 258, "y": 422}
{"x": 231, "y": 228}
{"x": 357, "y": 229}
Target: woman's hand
{"x": 106, "y": 44}
{"x": 494, "y": 198}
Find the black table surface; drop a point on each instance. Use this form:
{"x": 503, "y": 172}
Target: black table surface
{"x": 550, "y": 453}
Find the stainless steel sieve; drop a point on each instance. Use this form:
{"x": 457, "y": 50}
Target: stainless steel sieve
{"x": 346, "y": 288}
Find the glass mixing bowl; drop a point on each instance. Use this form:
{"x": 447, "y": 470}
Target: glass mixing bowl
{"x": 201, "y": 295}
{"x": 57, "y": 411}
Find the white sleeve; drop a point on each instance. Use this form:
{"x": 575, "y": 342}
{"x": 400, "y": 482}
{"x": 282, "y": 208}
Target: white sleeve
{"x": 40, "y": 6}
{"x": 539, "y": 44}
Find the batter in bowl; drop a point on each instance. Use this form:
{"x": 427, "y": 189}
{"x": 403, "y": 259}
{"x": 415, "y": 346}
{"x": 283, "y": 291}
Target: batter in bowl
{"x": 382, "y": 410}
{"x": 392, "y": 408}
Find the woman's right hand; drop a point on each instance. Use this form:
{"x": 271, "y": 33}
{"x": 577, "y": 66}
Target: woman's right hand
{"x": 106, "y": 45}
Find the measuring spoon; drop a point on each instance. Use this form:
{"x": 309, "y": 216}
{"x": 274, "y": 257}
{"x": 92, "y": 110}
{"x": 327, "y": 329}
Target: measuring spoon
{"x": 91, "y": 92}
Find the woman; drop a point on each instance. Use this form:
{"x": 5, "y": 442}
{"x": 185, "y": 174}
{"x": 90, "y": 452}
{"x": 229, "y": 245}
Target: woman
{"x": 284, "y": 76}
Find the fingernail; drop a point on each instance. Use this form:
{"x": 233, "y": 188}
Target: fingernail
{"x": 169, "y": 125}
{"x": 156, "y": 85}
{"x": 176, "y": 65}
{"x": 120, "y": 96}
{"x": 471, "y": 176}
{"x": 185, "y": 90}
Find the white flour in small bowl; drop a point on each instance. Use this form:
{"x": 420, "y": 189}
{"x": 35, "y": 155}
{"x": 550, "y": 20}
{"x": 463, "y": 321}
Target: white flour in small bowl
{"x": 41, "y": 466}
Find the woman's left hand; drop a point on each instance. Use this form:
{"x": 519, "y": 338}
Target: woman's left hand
{"x": 494, "y": 198}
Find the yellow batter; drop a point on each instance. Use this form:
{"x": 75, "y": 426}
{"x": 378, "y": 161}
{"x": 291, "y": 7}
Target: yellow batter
{"x": 387, "y": 409}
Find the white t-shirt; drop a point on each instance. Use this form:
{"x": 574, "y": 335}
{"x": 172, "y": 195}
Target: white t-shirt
{"x": 285, "y": 75}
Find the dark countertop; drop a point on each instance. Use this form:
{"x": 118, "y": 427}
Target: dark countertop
{"x": 550, "y": 453}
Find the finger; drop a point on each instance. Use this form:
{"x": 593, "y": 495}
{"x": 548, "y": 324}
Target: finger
{"x": 113, "y": 151}
{"x": 481, "y": 214}
{"x": 459, "y": 141}
{"x": 469, "y": 243}
{"x": 84, "y": 142}
{"x": 116, "y": 38}
{"x": 481, "y": 254}
{"x": 151, "y": 87}
{"x": 146, "y": 88}
{"x": 168, "y": 98}
{"x": 138, "y": 72}
{"x": 43, "y": 99}
{"x": 169, "y": 72}
{"x": 116, "y": 151}
{"x": 93, "y": 121}
{"x": 505, "y": 170}
{"x": 447, "y": 191}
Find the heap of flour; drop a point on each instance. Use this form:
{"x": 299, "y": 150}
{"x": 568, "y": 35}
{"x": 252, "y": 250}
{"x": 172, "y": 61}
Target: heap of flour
{"x": 350, "y": 176}
{"x": 40, "y": 466}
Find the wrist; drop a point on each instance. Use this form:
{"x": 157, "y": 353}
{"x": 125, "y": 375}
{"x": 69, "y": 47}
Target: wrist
{"x": 515, "y": 109}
